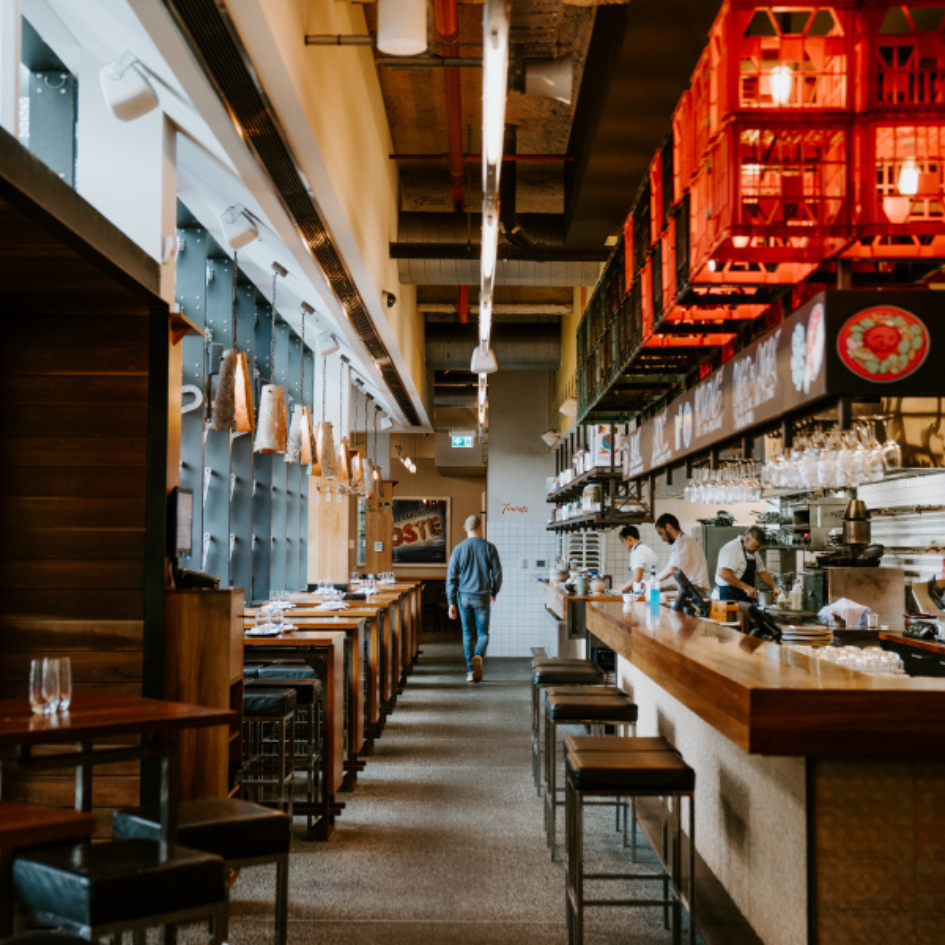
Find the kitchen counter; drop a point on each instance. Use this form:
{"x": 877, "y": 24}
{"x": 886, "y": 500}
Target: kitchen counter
{"x": 554, "y": 598}
{"x": 770, "y": 699}
{"x": 932, "y": 646}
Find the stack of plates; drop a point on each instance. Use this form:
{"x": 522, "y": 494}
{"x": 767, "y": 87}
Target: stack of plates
{"x": 812, "y": 636}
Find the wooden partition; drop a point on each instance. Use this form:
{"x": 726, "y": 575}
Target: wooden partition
{"x": 83, "y": 443}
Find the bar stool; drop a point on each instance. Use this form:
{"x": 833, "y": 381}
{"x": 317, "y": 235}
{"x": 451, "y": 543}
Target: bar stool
{"x": 105, "y": 889}
{"x": 308, "y": 755}
{"x": 269, "y": 743}
{"x": 593, "y": 706}
{"x": 242, "y": 834}
{"x": 636, "y": 771}
{"x": 548, "y": 671}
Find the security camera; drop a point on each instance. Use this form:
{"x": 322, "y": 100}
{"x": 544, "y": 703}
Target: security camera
{"x": 390, "y": 299}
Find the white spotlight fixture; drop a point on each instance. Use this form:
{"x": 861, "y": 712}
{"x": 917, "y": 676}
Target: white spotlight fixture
{"x": 402, "y": 27}
{"x": 126, "y": 88}
{"x": 483, "y": 361}
{"x": 239, "y": 228}
{"x": 386, "y": 422}
{"x": 550, "y": 438}
{"x": 550, "y": 78}
{"x": 327, "y": 344}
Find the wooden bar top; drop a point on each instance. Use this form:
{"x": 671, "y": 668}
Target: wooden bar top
{"x": 31, "y": 825}
{"x": 931, "y": 646}
{"x": 554, "y": 598}
{"x": 772, "y": 700}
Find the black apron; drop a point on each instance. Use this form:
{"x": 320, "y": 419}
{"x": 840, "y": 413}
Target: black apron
{"x": 729, "y": 591}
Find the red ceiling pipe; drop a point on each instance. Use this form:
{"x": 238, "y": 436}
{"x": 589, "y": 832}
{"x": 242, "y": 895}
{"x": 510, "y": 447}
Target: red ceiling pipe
{"x": 512, "y": 158}
{"x": 446, "y": 19}
{"x": 463, "y": 304}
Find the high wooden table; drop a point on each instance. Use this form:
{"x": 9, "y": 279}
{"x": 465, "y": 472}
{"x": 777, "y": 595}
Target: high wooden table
{"x": 325, "y": 652}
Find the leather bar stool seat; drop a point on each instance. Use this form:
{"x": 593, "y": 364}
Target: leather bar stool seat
{"x": 306, "y": 691}
{"x": 268, "y": 702}
{"x": 548, "y": 671}
{"x": 287, "y": 671}
{"x": 43, "y": 937}
{"x": 243, "y": 834}
{"x": 122, "y": 885}
{"x": 587, "y": 706}
{"x": 629, "y": 767}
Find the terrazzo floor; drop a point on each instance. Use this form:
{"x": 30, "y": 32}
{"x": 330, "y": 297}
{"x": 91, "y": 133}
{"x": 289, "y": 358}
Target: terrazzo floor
{"x": 441, "y": 839}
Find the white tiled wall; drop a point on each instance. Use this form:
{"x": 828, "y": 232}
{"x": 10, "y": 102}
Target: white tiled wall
{"x": 518, "y": 619}
{"x": 909, "y": 528}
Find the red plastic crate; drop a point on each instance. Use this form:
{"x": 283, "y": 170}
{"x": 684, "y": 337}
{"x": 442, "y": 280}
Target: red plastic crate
{"x": 778, "y": 57}
{"x": 628, "y": 252}
{"x": 668, "y": 265}
{"x": 900, "y": 180}
{"x": 901, "y": 55}
{"x": 685, "y": 159}
{"x": 655, "y": 173}
{"x": 771, "y": 200}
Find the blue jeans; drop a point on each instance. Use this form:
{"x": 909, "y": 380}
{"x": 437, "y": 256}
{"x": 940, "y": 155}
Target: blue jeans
{"x": 474, "y": 614}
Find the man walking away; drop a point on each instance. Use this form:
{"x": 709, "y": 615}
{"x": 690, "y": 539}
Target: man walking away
{"x": 473, "y": 580}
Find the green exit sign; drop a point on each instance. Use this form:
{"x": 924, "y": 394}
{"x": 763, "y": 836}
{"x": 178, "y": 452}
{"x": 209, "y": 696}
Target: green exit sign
{"x": 462, "y": 442}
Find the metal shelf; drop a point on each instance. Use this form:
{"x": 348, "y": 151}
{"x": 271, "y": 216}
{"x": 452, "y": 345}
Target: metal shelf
{"x": 576, "y": 486}
{"x": 597, "y": 520}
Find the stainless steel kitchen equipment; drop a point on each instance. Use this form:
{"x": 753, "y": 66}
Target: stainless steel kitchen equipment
{"x": 856, "y": 523}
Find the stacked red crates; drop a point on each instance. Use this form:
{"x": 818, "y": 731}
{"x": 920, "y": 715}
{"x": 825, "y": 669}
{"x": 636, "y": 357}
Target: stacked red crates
{"x": 771, "y": 195}
{"x": 900, "y": 143}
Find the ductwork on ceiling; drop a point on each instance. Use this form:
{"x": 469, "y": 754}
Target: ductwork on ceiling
{"x": 548, "y": 264}
{"x": 531, "y": 347}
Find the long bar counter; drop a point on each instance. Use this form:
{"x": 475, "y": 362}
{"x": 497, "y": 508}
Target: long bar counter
{"x": 817, "y": 788}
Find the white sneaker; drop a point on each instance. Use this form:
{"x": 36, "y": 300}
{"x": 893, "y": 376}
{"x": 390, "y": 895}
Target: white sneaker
{"x": 470, "y": 677}
{"x": 477, "y": 669}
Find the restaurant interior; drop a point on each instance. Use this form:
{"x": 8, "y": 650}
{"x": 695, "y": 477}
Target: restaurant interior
{"x": 645, "y": 293}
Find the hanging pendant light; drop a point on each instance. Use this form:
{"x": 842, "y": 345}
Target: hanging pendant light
{"x": 356, "y": 472}
{"x": 233, "y": 405}
{"x": 324, "y": 438}
{"x": 378, "y": 482}
{"x": 301, "y": 444}
{"x": 271, "y": 431}
{"x": 344, "y": 454}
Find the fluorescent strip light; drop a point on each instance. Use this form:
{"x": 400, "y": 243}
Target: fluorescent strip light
{"x": 485, "y": 322}
{"x": 490, "y": 244}
{"x": 495, "y": 70}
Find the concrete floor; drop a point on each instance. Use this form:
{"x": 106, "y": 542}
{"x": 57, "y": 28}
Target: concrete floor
{"x": 442, "y": 840}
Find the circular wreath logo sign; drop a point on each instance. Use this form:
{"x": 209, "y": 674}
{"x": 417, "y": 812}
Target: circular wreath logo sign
{"x": 883, "y": 343}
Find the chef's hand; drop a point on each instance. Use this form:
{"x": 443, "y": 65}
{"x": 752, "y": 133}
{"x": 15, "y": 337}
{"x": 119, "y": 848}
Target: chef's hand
{"x": 452, "y": 611}
{"x": 751, "y": 591}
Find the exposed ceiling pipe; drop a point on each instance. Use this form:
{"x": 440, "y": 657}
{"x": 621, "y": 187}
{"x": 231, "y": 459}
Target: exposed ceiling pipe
{"x": 446, "y": 20}
{"x": 506, "y": 158}
{"x": 518, "y": 347}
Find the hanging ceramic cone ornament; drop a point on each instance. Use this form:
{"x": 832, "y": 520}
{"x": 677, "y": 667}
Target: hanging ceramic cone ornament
{"x": 308, "y": 436}
{"x": 245, "y": 408}
{"x": 271, "y": 432}
{"x": 367, "y": 476}
{"x": 325, "y": 443}
{"x": 355, "y": 468}
{"x": 224, "y": 404}
{"x": 378, "y": 483}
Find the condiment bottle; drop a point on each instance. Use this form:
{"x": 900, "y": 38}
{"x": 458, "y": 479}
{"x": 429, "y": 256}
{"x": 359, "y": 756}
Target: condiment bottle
{"x": 797, "y": 595}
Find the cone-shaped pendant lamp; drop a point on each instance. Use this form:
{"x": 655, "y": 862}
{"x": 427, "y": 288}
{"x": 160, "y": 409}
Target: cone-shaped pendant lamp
{"x": 367, "y": 476}
{"x": 224, "y": 404}
{"x": 378, "y": 486}
{"x": 271, "y": 429}
{"x": 300, "y": 446}
{"x": 324, "y": 437}
{"x": 344, "y": 460}
{"x": 233, "y": 405}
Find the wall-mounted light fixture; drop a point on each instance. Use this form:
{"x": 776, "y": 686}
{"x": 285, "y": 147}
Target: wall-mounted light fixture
{"x": 126, "y": 88}
{"x": 402, "y": 27}
{"x": 239, "y": 228}
{"x": 327, "y": 344}
{"x": 550, "y": 438}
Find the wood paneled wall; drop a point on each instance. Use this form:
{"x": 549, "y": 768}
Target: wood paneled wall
{"x": 78, "y": 430}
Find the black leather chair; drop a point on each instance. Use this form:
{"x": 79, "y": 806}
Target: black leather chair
{"x": 241, "y": 833}
{"x": 269, "y": 745}
{"x": 120, "y": 886}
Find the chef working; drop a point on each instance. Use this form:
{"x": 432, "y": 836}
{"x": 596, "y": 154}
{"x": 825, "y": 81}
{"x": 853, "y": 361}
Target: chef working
{"x": 740, "y": 564}
{"x": 642, "y": 558}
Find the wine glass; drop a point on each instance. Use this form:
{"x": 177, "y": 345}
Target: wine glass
{"x": 37, "y": 697}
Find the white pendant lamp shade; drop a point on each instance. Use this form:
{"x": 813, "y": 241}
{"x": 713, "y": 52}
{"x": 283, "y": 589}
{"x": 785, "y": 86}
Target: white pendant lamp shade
{"x": 271, "y": 432}
{"x": 367, "y": 476}
{"x": 126, "y": 88}
{"x": 325, "y": 444}
{"x": 356, "y": 472}
{"x": 402, "y": 27}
